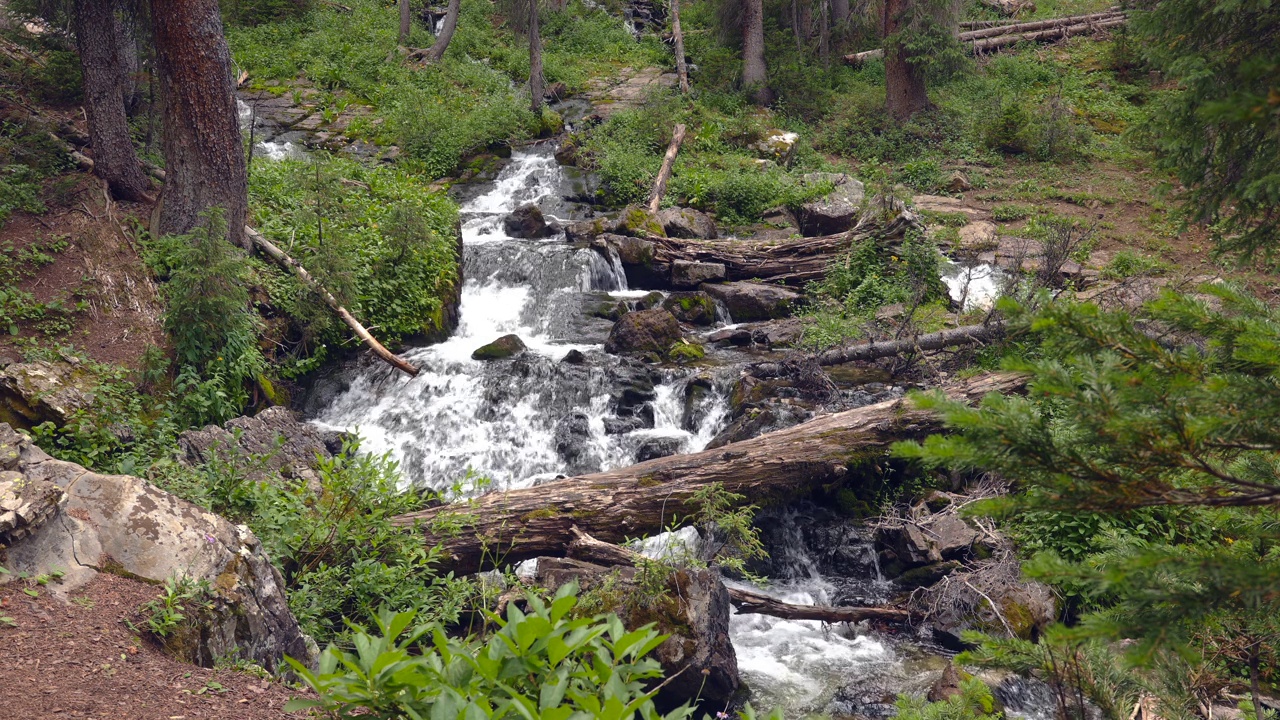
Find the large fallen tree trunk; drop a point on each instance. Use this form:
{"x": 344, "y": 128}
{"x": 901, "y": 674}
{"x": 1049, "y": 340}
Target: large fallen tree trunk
{"x": 955, "y": 337}
{"x": 794, "y": 262}
{"x": 289, "y": 263}
{"x": 980, "y": 39}
{"x": 506, "y": 527}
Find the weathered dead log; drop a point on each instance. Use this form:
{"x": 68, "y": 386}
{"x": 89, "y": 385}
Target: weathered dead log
{"x": 972, "y": 39}
{"x": 664, "y": 174}
{"x": 954, "y": 337}
{"x": 753, "y": 602}
{"x": 288, "y": 263}
{"x": 506, "y": 527}
{"x": 793, "y": 262}
{"x": 682, "y": 68}
{"x": 1056, "y": 33}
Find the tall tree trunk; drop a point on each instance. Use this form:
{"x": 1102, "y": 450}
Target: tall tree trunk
{"x": 754, "y": 74}
{"x": 839, "y": 11}
{"x": 682, "y": 68}
{"x": 405, "y": 22}
{"x": 203, "y": 150}
{"x": 130, "y": 59}
{"x": 905, "y": 93}
{"x": 824, "y": 33}
{"x": 795, "y": 25}
{"x": 115, "y": 161}
{"x": 536, "y": 82}
{"x": 436, "y": 53}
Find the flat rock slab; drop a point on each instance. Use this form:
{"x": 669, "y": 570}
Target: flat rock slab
{"x": 629, "y": 90}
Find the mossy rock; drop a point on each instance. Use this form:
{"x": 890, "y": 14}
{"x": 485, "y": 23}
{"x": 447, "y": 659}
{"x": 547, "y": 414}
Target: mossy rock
{"x": 686, "y": 352}
{"x": 927, "y": 575}
{"x": 695, "y": 308}
{"x": 638, "y": 222}
{"x": 504, "y": 347}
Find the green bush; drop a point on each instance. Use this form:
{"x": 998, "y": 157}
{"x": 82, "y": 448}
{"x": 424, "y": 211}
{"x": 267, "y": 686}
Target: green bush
{"x": 974, "y": 702}
{"x": 1127, "y": 263}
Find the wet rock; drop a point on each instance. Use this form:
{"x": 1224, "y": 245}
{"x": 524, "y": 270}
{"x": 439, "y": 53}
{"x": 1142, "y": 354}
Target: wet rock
{"x": 694, "y": 308}
{"x": 573, "y": 438}
{"x": 938, "y": 537}
{"x": 527, "y": 221}
{"x": 771, "y": 333}
{"x": 649, "y": 301}
{"x": 42, "y": 391}
{"x": 838, "y": 211}
{"x": 574, "y": 357}
{"x": 123, "y": 524}
{"x": 643, "y": 331}
{"x": 688, "y": 274}
{"x": 583, "y": 186}
{"x": 279, "y": 444}
{"x": 747, "y": 301}
{"x": 758, "y": 421}
{"x": 687, "y": 223}
{"x": 946, "y": 686}
{"x": 587, "y": 230}
{"x": 696, "y": 393}
{"x": 635, "y": 221}
{"x": 685, "y": 352}
{"x": 504, "y": 347}
{"x": 567, "y": 151}
{"x": 697, "y": 657}
{"x": 622, "y": 425}
{"x": 865, "y": 700}
{"x": 958, "y": 182}
{"x": 658, "y": 447}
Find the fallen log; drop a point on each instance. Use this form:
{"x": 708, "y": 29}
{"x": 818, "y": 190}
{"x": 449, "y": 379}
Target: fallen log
{"x": 753, "y": 602}
{"x": 972, "y": 38}
{"x": 1057, "y": 33}
{"x": 587, "y": 548}
{"x": 793, "y": 262}
{"x": 954, "y": 337}
{"x": 515, "y": 525}
{"x": 283, "y": 260}
{"x": 664, "y": 174}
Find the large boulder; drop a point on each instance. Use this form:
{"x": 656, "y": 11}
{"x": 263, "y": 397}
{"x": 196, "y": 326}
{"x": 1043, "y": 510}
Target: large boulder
{"x": 637, "y": 258}
{"x": 694, "y": 308}
{"x": 937, "y": 537}
{"x": 691, "y": 274}
{"x": 125, "y": 525}
{"x": 777, "y": 145}
{"x": 687, "y": 223}
{"x": 527, "y": 221}
{"x": 697, "y": 656}
{"x": 838, "y": 211}
{"x": 643, "y": 331}
{"x": 747, "y": 301}
{"x": 42, "y": 391}
{"x": 504, "y": 347}
{"x": 573, "y": 440}
{"x": 658, "y": 447}
{"x": 279, "y": 443}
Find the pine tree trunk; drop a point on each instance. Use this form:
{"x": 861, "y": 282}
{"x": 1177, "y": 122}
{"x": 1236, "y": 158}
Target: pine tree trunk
{"x": 905, "y": 93}
{"x": 839, "y": 11}
{"x": 130, "y": 59}
{"x": 436, "y": 53}
{"x": 203, "y": 151}
{"x": 754, "y": 74}
{"x": 115, "y": 161}
{"x": 536, "y": 82}
{"x": 405, "y": 22}
{"x": 682, "y": 68}
{"x": 824, "y": 33}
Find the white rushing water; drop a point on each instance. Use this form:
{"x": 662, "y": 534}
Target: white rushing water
{"x": 518, "y": 421}
{"x": 973, "y": 286}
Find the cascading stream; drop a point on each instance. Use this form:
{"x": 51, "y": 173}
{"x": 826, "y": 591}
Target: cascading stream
{"x": 517, "y": 421}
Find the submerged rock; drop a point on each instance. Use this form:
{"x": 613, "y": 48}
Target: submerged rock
{"x": 747, "y": 301}
{"x": 687, "y": 223}
{"x": 504, "y": 347}
{"x": 643, "y": 331}
{"x": 122, "y": 524}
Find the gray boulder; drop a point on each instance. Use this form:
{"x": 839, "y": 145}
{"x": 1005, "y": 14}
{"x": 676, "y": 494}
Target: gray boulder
{"x": 748, "y": 301}
{"x": 527, "y": 222}
{"x": 572, "y": 437}
{"x": 690, "y": 274}
{"x": 694, "y": 308}
{"x": 41, "y": 391}
{"x": 658, "y": 447}
{"x": 687, "y": 223}
{"x": 643, "y": 331}
{"x": 835, "y": 213}
{"x": 280, "y": 444}
{"x": 504, "y": 347}
{"x": 124, "y": 525}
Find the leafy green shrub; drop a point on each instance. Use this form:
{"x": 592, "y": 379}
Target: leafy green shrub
{"x": 923, "y": 175}
{"x": 868, "y": 277}
{"x": 1006, "y": 131}
{"x": 542, "y": 663}
{"x": 168, "y": 614}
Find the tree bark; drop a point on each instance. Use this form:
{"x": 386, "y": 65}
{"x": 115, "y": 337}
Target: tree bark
{"x": 105, "y": 74}
{"x": 905, "y": 92}
{"x": 664, "y": 174}
{"x": 289, "y": 263}
{"x": 1022, "y": 31}
{"x": 753, "y": 602}
{"x": 754, "y": 74}
{"x": 436, "y": 53}
{"x": 203, "y": 151}
{"x": 967, "y": 335}
{"x": 508, "y": 527}
{"x": 824, "y": 33}
{"x": 536, "y": 81}
{"x": 839, "y": 11}
{"x": 406, "y": 23}
{"x": 682, "y": 67}
{"x": 1055, "y": 33}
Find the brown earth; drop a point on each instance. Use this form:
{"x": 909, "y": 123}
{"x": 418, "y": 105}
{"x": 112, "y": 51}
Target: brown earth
{"x": 81, "y": 659}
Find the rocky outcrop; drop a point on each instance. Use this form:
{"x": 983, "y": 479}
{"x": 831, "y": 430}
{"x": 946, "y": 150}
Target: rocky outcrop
{"x": 279, "y": 444}
{"x": 527, "y": 221}
{"x": 25, "y": 505}
{"x": 747, "y": 301}
{"x": 504, "y": 347}
{"x": 643, "y": 331}
{"x": 687, "y": 223}
{"x": 697, "y": 656}
{"x": 690, "y": 274}
{"x": 838, "y": 211}
{"x": 124, "y": 525}
{"x": 42, "y": 391}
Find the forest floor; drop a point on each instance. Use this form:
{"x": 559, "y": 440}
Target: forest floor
{"x": 84, "y": 658}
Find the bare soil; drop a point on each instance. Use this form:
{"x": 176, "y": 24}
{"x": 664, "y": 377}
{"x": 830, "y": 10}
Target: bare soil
{"x": 81, "y": 659}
